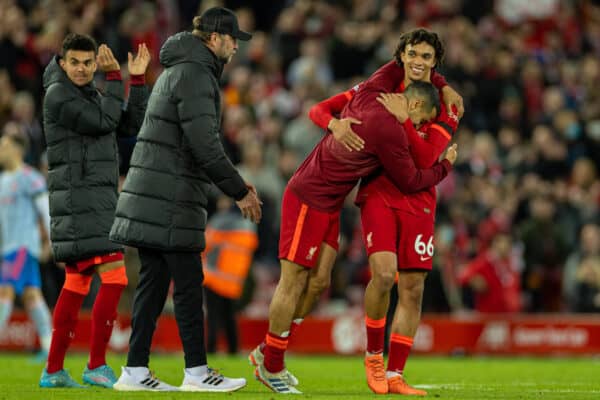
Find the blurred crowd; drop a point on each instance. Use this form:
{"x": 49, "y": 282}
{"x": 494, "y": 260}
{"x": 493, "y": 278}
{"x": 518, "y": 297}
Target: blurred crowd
{"x": 524, "y": 194}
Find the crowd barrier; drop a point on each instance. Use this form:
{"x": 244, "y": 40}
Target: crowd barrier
{"x": 544, "y": 334}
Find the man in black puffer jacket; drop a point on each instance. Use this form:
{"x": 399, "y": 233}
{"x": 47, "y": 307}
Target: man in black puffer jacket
{"x": 162, "y": 207}
{"x": 81, "y": 126}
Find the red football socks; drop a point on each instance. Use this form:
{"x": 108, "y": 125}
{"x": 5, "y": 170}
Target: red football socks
{"x": 274, "y": 352}
{"x": 103, "y": 318}
{"x": 399, "y": 351}
{"x": 64, "y": 321}
{"x": 295, "y": 325}
{"x": 375, "y": 335}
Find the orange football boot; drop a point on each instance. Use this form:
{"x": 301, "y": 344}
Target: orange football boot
{"x": 397, "y": 384}
{"x": 375, "y": 369}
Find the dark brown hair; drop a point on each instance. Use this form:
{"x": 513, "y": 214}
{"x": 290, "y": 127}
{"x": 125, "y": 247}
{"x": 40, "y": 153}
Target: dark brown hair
{"x": 75, "y": 41}
{"x": 417, "y": 36}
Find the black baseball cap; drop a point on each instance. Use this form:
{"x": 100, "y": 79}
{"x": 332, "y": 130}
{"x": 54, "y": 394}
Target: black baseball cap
{"x": 222, "y": 20}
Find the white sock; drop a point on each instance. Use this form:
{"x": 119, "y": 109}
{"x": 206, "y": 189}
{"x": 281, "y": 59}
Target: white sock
{"x": 138, "y": 372}
{"x": 391, "y": 374}
{"x": 197, "y": 371}
{"x": 40, "y": 315}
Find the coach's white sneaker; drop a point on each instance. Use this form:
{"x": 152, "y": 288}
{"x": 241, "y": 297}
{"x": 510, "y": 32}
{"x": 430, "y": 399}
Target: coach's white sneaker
{"x": 137, "y": 379}
{"x": 256, "y": 358}
{"x": 211, "y": 381}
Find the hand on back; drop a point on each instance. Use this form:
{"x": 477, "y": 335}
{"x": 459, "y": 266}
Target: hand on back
{"x": 343, "y": 133}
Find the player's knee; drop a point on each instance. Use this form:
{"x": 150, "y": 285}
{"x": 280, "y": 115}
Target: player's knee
{"x": 78, "y": 283}
{"x": 116, "y": 276}
{"x": 384, "y": 276}
{"x": 319, "y": 283}
{"x": 31, "y": 295}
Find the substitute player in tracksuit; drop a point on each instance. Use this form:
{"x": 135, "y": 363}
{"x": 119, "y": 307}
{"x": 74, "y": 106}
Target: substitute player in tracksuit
{"x": 81, "y": 125}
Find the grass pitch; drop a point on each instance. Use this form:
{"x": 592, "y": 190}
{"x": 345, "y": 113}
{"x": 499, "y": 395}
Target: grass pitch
{"x": 339, "y": 378}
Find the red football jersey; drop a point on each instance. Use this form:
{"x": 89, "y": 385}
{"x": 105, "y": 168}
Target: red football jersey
{"x": 330, "y": 172}
{"x": 426, "y": 146}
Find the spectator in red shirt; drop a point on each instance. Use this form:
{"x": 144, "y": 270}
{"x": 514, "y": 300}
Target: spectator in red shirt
{"x": 494, "y": 277}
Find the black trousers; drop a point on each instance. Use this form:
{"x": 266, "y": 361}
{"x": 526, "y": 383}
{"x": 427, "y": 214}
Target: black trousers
{"x": 220, "y": 314}
{"x": 157, "y": 270}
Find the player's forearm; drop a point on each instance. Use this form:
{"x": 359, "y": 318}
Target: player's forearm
{"x": 322, "y": 113}
{"x": 411, "y": 179}
{"x": 426, "y": 146}
{"x": 438, "y": 80}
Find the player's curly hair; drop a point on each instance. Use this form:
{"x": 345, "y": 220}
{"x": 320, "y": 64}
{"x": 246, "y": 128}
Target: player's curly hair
{"x": 76, "y": 41}
{"x": 417, "y": 36}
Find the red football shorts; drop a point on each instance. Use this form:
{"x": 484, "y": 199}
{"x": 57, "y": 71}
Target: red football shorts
{"x": 397, "y": 231}
{"x": 86, "y": 266}
{"x": 303, "y": 229}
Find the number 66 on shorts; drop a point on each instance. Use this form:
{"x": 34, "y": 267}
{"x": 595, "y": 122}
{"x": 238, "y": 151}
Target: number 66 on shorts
{"x": 408, "y": 235}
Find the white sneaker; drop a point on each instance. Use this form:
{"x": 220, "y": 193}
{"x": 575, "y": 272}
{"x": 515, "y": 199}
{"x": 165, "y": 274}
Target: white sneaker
{"x": 212, "y": 381}
{"x": 256, "y": 358}
{"x": 128, "y": 382}
{"x": 277, "y": 382}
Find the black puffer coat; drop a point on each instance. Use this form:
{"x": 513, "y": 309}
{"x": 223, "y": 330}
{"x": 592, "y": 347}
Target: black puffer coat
{"x": 80, "y": 125}
{"x": 178, "y": 154}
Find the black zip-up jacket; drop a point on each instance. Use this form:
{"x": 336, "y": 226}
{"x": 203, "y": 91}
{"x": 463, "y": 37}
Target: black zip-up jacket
{"x": 178, "y": 154}
{"x": 81, "y": 126}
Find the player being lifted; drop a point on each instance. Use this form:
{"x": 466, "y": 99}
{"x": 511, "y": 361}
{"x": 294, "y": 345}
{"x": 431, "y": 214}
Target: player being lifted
{"x": 314, "y": 197}
{"x": 388, "y": 215}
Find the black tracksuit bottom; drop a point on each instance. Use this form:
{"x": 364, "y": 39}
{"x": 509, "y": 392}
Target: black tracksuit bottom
{"x": 157, "y": 269}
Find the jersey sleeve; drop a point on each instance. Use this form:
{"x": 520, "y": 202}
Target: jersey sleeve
{"x": 427, "y": 145}
{"x": 392, "y": 149}
{"x": 469, "y": 272}
{"x": 322, "y": 113}
{"x": 36, "y": 184}
{"x": 438, "y": 80}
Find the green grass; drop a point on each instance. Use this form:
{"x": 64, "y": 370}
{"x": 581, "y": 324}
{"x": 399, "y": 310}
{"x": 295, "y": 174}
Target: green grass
{"x": 340, "y": 378}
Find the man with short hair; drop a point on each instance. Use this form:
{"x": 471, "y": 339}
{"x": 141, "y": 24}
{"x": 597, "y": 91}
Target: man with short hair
{"x": 162, "y": 207}
{"x": 314, "y": 197}
{"x": 81, "y": 127}
{"x": 398, "y": 227}
{"x": 23, "y": 204}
